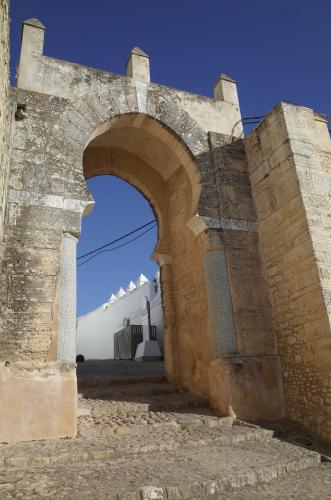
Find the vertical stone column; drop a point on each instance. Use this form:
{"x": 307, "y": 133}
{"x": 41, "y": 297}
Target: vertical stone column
{"x": 224, "y": 340}
{"x": 33, "y": 33}
{"x": 67, "y": 300}
{"x": 244, "y": 372}
{"x": 138, "y": 65}
{"x": 225, "y": 89}
{"x": 169, "y": 311}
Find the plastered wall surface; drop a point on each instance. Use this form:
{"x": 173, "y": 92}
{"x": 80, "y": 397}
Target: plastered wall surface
{"x": 96, "y": 329}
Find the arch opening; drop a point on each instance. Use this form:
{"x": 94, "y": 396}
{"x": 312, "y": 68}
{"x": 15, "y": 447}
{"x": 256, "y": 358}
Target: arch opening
{"x": 150, "y": 157}
{"x": 113, "y": 281}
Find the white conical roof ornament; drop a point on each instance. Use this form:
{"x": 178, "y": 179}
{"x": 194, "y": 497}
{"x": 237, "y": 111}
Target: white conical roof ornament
{"x": 142, "y": 280}
{"x": 121, "y": 292}
{"x": 113, "y": 298}
{"x": 131, "y": 286}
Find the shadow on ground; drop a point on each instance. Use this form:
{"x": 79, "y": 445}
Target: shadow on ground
{"x": 145, "y": 383}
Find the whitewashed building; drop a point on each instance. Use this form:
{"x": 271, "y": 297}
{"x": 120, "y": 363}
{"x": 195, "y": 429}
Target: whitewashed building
{"x": 96, "y": 329}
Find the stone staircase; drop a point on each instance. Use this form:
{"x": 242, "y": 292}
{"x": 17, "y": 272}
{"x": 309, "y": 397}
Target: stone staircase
{"x": 141, "y": 438}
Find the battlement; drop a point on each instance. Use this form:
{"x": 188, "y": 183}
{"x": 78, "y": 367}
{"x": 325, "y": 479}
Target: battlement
{"x": 40, "y": 73}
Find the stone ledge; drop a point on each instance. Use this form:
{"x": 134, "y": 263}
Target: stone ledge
{"x": 89, "y": 450}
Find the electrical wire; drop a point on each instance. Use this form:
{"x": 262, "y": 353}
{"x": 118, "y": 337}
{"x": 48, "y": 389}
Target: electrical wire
{"x": 251, "y": 120}
{"x": 116, "y": 240}
{"x": 103, "y": 250}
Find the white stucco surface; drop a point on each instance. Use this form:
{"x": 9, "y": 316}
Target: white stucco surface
{"x": 96, "y": 329}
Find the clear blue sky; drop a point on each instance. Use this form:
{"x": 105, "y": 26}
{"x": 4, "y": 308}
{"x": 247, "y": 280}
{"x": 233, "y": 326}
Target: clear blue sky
{"x": 275, "y": 50}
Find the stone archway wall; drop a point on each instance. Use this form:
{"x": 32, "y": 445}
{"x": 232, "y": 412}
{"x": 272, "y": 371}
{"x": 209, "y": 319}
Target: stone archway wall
{"x": 220, "y": 337}
{"x": 213, "y": 289}
{"x": 143, "y": 152}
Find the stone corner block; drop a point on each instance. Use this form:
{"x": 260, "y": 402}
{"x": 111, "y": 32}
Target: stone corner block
{"x": 247, "y": 387}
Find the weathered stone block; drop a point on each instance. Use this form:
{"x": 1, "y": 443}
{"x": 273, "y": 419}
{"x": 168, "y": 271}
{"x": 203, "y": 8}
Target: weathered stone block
{"x": 247, "y": 387}
{"x": 37, "y": 401}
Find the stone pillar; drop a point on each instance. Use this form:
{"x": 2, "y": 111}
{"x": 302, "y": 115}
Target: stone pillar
{"x": 33, "y": 33}
{"x": 225, "y": 89}
{"x": 138, "y": 66}
{"x": 224, "y": 340}
{"x": 67, "y": 299}
{"x": 171, "y": 353}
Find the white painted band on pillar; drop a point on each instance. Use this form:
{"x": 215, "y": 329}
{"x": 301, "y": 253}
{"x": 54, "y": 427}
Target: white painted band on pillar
{"x": 67, "y": 299}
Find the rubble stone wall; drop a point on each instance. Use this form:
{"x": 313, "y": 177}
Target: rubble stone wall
{"x": 289, "y": 162}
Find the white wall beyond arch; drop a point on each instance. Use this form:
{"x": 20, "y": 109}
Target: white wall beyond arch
{"x": 96, "y": 329}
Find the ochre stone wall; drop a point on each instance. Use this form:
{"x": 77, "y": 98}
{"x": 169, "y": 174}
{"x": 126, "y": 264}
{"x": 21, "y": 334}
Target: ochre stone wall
{"x": 322, "y": 210}
{"x": 5, "y": 140}
{"x": 190, "y": 328}
{"x": 291, "y": 184}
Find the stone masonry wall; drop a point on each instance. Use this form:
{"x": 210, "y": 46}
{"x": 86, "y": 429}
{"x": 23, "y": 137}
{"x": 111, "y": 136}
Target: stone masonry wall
{"x": 236, "y": 235}
{"x": 323, "y": 245}
{"x": 5, "y": 135}
{"x": 33, "y": 238}
{"x": 237, "y": 269}
{"x": 251, "y": 308}
{"x": 290, "y": 177}
{"x": 5, "y": 115}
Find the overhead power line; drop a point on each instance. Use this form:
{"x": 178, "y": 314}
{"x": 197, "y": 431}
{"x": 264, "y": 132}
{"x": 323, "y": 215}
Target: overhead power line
{"x": 104, "y": 248}
{"x": 115, "y": 248}
{"x": 116, "y": 240}
{"x": 252, "y": 120}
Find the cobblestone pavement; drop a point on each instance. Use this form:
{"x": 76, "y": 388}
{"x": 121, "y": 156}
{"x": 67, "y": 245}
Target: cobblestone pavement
{"x": 124, "y": 442}
{"x": 144, "y": 440}
{"x": 93, "y": 482}
{"x": 181, "y": 473}
{"x": 311, "y": 484}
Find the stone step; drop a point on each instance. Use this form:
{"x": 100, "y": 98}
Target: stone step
{"x": 126, "y": 391}
{"x": 142, "y": 424}
{"x": 160, "y": 438}
{"x": 104, "y": 381}
{"x": 141, "y": 403}
{"x": 101, "y": 418}
{"x": 192, "y": 473}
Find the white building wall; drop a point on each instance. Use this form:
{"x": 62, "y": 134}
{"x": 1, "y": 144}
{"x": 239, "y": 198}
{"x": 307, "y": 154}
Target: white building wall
{"x": 96, "y": 329}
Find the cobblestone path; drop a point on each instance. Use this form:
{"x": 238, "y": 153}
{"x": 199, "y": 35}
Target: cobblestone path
{"x": 140, "y": 438}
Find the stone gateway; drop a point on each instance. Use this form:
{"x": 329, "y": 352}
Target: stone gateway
{"x": 244, "y": 244}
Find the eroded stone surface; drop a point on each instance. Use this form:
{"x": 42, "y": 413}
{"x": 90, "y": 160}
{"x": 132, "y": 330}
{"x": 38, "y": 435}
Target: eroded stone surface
{"x": 184, "y": 471}
{"x": 191, "y": 453}
{"x": 261, "y": 202}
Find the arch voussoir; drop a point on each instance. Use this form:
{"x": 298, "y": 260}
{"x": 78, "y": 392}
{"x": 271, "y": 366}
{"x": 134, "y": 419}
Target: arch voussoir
{"x": 166, "y": 111}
